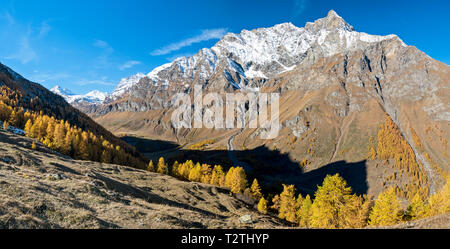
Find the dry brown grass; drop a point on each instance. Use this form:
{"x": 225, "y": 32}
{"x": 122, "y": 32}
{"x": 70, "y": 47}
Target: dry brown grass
{"x": 43, "y": 189}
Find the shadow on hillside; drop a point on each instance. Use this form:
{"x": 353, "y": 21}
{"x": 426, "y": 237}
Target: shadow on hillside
{"x": 355, "y": 174}
{"x": 271, "y": 167}
{"x": 148, "y": 145}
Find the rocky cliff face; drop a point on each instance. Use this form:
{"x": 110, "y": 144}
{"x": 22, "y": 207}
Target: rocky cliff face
{"x": 336, "y": 85}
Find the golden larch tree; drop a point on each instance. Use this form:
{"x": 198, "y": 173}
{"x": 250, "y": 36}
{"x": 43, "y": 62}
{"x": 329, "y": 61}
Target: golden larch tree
{"x": 105, "y": 157}
{"x": 238, "y": 180}
{"x": 151, "y": 166}
{"x": 256, "y": 190}
{"x": 262, "y": 206}
{"x": 27, "y": 128}
{"x": 162, "y": 167}
{"x": 60, "y": 137}
{"x": 275, "y": 203}
{"x": 387, "y": 209}
{"x": 304, "y": 212}
{"x": 439, "y": 203}
{"x": 326, "y": 210}
{"x": 355, "y": 213}
{"x": 217, "y": 176}
{"x": 206, "y": 173}
{"x": 174, "y": 171}
{"x": 5, "y": 125}
{"x": 288, "y": 205}
{"x": 196, "y": 173}
{"x": 417, "y": 208}
{"x": 229, "y": 177}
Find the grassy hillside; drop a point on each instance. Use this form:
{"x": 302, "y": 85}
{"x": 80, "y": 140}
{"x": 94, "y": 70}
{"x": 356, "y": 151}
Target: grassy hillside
{"x": 41, "y": 188}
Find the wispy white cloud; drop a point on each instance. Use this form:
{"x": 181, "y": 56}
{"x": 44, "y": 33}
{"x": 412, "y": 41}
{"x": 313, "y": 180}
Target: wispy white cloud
{"x": 207, "y": 34}
{"x": 16, "y": 39}
{"x": 101, "y": 44}
{"x": 25, "y": 52}
{"x": 104, "y": 45}
{"x": 49, "y": 77}
{"x": 299, "y": 7}
{"x": 104, "y": 81}
{"x": 58, "y": 78}
{"x": 44, "y": 29}
{"x": 8, "y": 17}
{"x": 129, "y": 64}
{"x": 102, "y": 61}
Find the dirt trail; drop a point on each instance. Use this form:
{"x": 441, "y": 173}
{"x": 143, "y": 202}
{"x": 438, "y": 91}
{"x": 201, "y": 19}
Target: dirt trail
{"x": 232, "y": 154}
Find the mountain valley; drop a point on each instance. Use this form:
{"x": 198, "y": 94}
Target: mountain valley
{"x": 362, "y": 117}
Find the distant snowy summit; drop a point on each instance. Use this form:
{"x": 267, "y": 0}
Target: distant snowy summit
{"x": 93, "y": 97}
{"x": 61, "y": 91}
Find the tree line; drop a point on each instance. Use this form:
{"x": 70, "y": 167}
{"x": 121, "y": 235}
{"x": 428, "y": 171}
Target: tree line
{"x": 235, "y": 178}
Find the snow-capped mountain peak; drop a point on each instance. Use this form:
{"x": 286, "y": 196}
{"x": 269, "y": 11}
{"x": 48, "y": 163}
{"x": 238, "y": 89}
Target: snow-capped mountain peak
{"x": 61, "y": 91}
{"x": 331, "y": 22}
{"x": 96, "y": 95}
{"x": 93, "y": 97}
{"x": 125, "y": 84}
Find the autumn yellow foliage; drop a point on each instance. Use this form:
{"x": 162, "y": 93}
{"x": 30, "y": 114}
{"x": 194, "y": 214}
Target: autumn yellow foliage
{"x": 218, "y": 176}
{"x": 67, "y": 139}
{"x": 236, "y": 179}
{"x": 196, "y": 173}
{"x": 262, "y": 206}
{"x": 392, "y": 145}
{"x": 417, "y": 208}
{"x": 328, "y": 209}
{"x": 256, "y": 190}
{"x": 439, "y": 203}
{"x": 387, "y": 209}
{"x": 303, "y": 213}
{"x": 162, "y": 167}
{"x": 287, "y": 208}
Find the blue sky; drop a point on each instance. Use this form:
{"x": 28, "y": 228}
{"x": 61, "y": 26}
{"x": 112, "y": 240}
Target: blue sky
{"x": 85, "y": 45}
